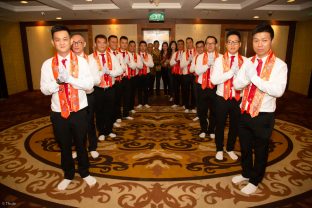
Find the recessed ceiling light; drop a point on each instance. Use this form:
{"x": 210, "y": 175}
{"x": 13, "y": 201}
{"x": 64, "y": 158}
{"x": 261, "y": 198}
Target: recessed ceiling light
{"x": 224, "y": 0}
{"x": 89, "y": 0}
{"x": 58, "y": 18}
{"x": 256, "y": 17}
{"x": 290, "y": 1}
{"x": 24, "y": 2}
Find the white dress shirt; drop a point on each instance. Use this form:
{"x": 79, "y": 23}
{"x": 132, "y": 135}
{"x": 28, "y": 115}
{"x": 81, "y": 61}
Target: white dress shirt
{"x": 149, "y": 63}
{"x": 200, "y": 69}
{"x": 273, "y": 88}
{"x": 116, "y": 68}
{"x": 82, "y": 83}
{"x": 184, "y": 63}
{"x": 218, "y": 76}
{"x": 138, "y": 65}
{"x": 173, "y": 60}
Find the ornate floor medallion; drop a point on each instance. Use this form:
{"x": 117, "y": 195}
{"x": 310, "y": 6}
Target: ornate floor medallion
{"x": 156, "y": 160}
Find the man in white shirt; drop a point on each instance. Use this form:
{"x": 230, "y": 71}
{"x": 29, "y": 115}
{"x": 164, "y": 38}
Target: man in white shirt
{"x": 188, "y": 77}
{"x": 228, "y": 99}
{"x": 78, "y": 45}
{"x": 136, "y": 59}
{"x": 104, "y": 68}
{"x": 262, "y": 78}
{"x": 177, "y": 72}
{"x": 66, "y": 77}
{"x": 143, "y": 79}
{"x": 206, "y": 90}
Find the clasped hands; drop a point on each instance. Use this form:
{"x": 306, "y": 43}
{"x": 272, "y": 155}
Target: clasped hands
{"x": 104, "y": 70}
{"x": 63, "y": 75}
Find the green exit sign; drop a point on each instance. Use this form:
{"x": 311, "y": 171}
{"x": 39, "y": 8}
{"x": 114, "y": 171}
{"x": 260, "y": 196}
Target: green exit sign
{"x": 156, "y": 16}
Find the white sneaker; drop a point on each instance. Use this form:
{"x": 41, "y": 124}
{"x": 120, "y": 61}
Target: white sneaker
{"x": 101, "y": 137}
{"x": 117, "y": 125}
{"x": 112, "y": 135}
{"x": 94, "y": 154}
{"x": 129, "y": 118}
{"x": 118, "y": 120}
{"x": 63, "y": 184}
{"x": 133, "y": 111}
{"x": 171, "y": 99}
{"x": 186, "y": 111}
{"x": 147, "y": 106}
{"x": 249, "y": 189}
{"x": 74, "y": 155}
{"x": 90, "y": 180}
{"x": 183, "y": 106}
{"x": 139, "y": 106}
{"x": 174, "y": 106}
{"x": 212, "y": 136}
{"x": 196, "y": 118}
{"x": 232, "y": 155}
{"x": 202, "y": 135}
{"x": 219, "y": 155}
{"x": 239, "y": 178}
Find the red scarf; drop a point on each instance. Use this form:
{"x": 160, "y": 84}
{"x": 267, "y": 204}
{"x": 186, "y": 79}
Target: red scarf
{"x": 206, "y": 83}
{"x": 106, "y": 80}
{"x": 144, "y": 70}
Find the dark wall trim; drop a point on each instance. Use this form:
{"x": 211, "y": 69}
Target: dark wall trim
{"x": 290, "y": 48}
{"x": 26, "y": 57}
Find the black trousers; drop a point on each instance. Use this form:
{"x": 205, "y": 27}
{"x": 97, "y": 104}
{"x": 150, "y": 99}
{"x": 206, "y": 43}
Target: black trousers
{"x": 188, "y": 96}
{"x": 127, "y": 96}
{"x": 196, "y": 89}
{"x": 165, "y": 78}
{"x": 170, "y": 82}
{"x": 118, "y": 99}
{"x": 104, "y": 109}
{"x": 223, "y": 109}
{"x": 92, "y": 138}
{"x": 143, "y": 84}
{"x": 176, "y": 88}
{"x": 151, "y": 80}
{"x": 158, "y": 77}
{"x": 134, "y": 83}
{"x": 207, "y": 101}
{"x": 254, "y": 136}
{"x": 74, "y": 128}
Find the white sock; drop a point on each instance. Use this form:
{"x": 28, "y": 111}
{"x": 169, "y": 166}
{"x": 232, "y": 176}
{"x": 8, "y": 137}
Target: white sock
{"x": 249, "y": 189}
{"x": 63, "y": 184}
{"x": 90, "y": 180}
{"x": 239, "y": 178}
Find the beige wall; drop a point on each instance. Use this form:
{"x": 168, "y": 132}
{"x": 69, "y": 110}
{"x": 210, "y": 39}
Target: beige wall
{"x": 129, "y": 30}
{"x": 279, "y": 45}
{"x": 197, "y": 31}
{"x": 302, "y": 59}
{"x": 13, "y": 59}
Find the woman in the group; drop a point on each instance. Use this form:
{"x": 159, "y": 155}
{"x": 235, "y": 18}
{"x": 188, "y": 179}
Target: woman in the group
{"x": 173, "y": 47}
{"x": 165, "y": 59}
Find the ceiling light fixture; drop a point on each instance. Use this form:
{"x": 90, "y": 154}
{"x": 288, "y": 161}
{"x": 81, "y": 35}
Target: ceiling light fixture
{"x": 256, "y": 17}
{"x": 89, "y": 0}
{"x": 224, "y": 0}
{"x": 58, "y": 18}
{"x": 290, "y": 1}
{"x": 24, "y": 2}
{"x": 156, "y": 2}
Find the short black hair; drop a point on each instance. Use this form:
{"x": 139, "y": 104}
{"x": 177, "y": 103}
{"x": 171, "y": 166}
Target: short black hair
{"x": 263, "y": 27}
{"x": 189, "y": 38}
{"x": 131, "y": 41}
{"x": 181, "y": 41}
{"x": 123, "y": 38}
{"x": 233, "y": 32}
{"x": 200, "y": 42}
{"x": 143, "y": 42}
{"x": 210, "y": 36}
{"x": 100, "y": 36}
{"x": 57, "y": 28}
{"x": 112, "y": 36}
{"x": 156, "y": 41}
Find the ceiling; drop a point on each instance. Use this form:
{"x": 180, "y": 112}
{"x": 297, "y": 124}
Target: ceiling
{"x": 48, "y": 10}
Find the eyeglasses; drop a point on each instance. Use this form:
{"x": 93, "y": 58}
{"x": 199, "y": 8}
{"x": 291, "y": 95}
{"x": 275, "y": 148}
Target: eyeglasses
{"x": 210, "y": 43}
{"x": 77, "y": 43}
{"x": 232, "y": 42}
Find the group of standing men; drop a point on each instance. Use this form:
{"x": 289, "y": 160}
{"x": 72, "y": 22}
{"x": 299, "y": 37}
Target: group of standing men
{"x": 228, "y": 84}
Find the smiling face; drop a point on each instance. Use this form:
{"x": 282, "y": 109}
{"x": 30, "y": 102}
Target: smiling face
{"x": 101, "y": 45}
{"x": 78, "y": 44}
{"x": 124, "y": 44}
{"x": 211, "y": 45}
{"x": 189, "y": 44}
{"x": 262, "y": 43}
{"x": 132, "y": 47}
{"x": 233, "y": 44}
{"x": 113, "y": 43}
{"x": 61, "y": 42}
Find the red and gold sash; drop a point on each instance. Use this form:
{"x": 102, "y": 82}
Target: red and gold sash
{"x": 118, "y": 78}
{"x": 228, "y": 85}
{"x": 196, "y": 76}
{"x": 187, "y": 58}
{"x": 106, "y": 80}
{"x": 176, "y": 69}
{"x": 124, "y": 53}
{"x": 86, "y": 57}
{"x": 206, "y": 76}
{"x": 254, "y": 107}
{"x": 135, "y": 57}
{"x": 72, "y": 103}
{"x": 144, "y": 70}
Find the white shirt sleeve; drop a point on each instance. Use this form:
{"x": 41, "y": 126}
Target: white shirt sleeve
{"x": 139, "y": 63}
{"x": 184, "y": 62}
{"x": 48, "y": 84}
{"x": 241, "y": 80}
{"x": 218, "y": 76}
{"x": 121, "y": 61}
{"x": 131, "y": 63}
{"x": 199, "y": 67}
{"x": 117, "y": 67}
{"x": 94, "y": 70}
{"x": 172, "y": 60}
{"x": 149, "y": 62}
{"x": 192, "y": 68}
{"x": 84, "y": 80}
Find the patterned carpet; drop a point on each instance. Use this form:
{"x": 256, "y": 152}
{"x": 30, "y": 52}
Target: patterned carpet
{"x": 158, "y": 161}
